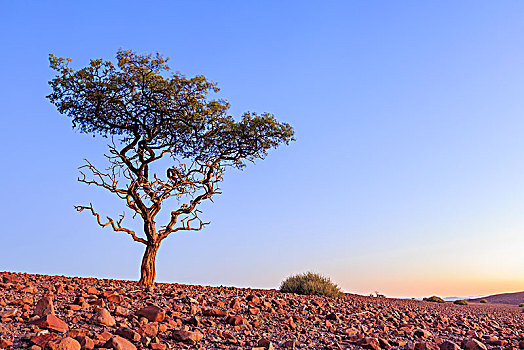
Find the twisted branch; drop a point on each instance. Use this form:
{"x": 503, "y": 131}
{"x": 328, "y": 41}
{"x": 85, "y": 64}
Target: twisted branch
{"x": 115, "y": 225}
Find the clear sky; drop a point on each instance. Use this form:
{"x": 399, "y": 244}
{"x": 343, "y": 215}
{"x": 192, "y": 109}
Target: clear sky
{"x": 407, "y": 176}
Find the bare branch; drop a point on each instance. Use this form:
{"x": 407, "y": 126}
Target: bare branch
{"x": 117, "y": 226}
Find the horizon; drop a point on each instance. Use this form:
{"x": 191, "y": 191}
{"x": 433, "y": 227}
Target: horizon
{"x": 405, "y": 176}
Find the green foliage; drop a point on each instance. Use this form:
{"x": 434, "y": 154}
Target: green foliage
{"x": 521, "y": 305}
{"x": 461, "y": 302}
{"x": 484, "y": 301}
{"x": 140, "y": 98}
{"x": 434, "y": 299}
{"x": 310, "y": 283}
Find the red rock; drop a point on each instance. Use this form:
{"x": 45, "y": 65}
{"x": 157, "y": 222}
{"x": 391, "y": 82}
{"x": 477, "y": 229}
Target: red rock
{"x": 77, "y": 332}
{"x": 29, "y": 289}
{"x": 45, "y": 306}
{"x": 52, "y": 323}
{"x": 214, "y": 312}
{"x": 369, "y": 343}
{"x": 448, "y": 345}
{"x": 85, "y": 342}
{"x": 253, "y": 298}
{"x": 254, "y": 310}
{"x": 128, "y": 333}
{"x": 158, "y": 346}
{"x": 426, "y": 346}
{"x": 4, "y": 343}
{"x": 521, "y": 344}
{"x": 266, "y": 344}
{"x": 122, "y": 311}
{"x": 150, "y": 329}
{"x": 93, "y": 291}
{"x": 10, "y": 279}
{"x": 422, "y": 333}
{"x": 97, "y": 302}
{"x": 105, "y": 336}
{"x": 152, "y": 313}
{"x": 187, "y": 336}
{"x": 103, "y": 317}
{"x": 42, "y": 339}
{"x": 236, "y": 320}
{"x": 473, "y": 344}
{"x": 66, "y": 343}
{"x": 235, "y": 304}
{"x": 114, "y": 298}
{"x": 119, "y": 343}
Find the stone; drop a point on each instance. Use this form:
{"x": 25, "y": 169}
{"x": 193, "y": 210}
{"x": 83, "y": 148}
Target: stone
{"x": 122, "y": 311}
{"x": 254, "y": 310}
{"x": 158, "y": 346}
{"x": 128, "y": 333}
{"x": 236, "y": 320}
{"x": 187, "y": 336}
{"x": 119, "y": 343}
{"x": 104, "y": 318}
{"x": 93, "y": 291}
{"x": 214, "y": 312}
{"x": 235, "y": 304}
{"x": 195, "y": 321}
{"x": 45, "y": 306}
{"x": 448, "y": 345}
{"x": 10, "y": 279}
{"x": 52, "y": 323}
{"x": 426, "y": 346}
{"x": 150, "y": 329}
{"x": 66, "y": 343}
{"x": 30, "y": 289}
{"x": 422, "y": 333}
{"x": 253, "y": 298}
{"x": 85, "y": 342}
{"x": 266, "y": 344}
{"x": 152, "y": 313}
{"x": 369, "y": 343}
{"x": 473, "y": 344}
{"x": 114, "y": 298}
{"x": 42, "y": 339}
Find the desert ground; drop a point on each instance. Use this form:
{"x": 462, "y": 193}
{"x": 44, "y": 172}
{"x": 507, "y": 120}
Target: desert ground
{"x": 56, "y": 312}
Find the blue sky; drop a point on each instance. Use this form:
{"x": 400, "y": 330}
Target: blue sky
{"x": 406, "y": 176}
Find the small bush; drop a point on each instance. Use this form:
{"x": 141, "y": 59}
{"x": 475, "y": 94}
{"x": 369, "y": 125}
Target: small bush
{"x": 310, "y": 283}
{"x": 434, "y": 299}
{"x": 461, "y": 302}
{"x": 484, "y": 301}
{"x": 521, "y": 305}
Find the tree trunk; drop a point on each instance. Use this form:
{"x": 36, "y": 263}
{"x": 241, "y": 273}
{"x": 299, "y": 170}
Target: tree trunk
{"x": 147, "y": 270}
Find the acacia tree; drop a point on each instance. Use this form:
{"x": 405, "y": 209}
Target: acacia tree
{"x": 152, "y": 115}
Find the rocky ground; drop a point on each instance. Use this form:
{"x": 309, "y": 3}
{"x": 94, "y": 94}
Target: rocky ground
{"x": 53, "y": 312}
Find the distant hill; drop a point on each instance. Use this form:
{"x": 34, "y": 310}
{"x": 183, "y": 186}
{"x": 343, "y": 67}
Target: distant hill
{"x": 505, "y": 298}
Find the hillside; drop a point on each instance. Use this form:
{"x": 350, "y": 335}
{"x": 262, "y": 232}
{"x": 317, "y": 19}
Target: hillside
{"x": 505, "y": 298}
{"x": 53, "y": 312}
